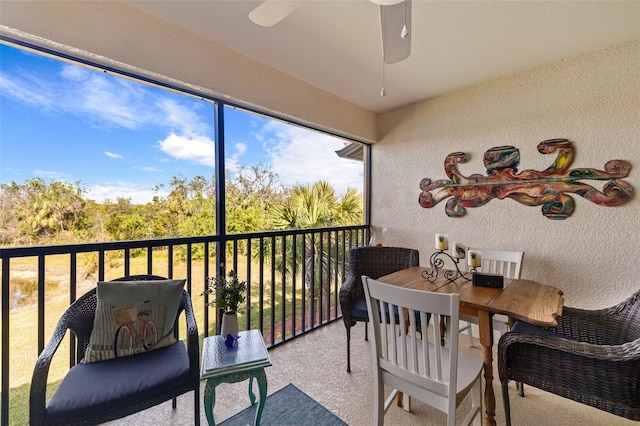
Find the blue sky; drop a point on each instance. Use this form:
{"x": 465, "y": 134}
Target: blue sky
{"x": 120, "y": 138}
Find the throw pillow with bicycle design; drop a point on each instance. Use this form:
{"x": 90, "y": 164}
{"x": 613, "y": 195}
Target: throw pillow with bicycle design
{"x": 133, "y": 317}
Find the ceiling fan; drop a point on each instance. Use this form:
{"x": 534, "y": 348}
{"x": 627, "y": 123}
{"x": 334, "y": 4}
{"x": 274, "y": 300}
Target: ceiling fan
{"x": 395, "y": 21}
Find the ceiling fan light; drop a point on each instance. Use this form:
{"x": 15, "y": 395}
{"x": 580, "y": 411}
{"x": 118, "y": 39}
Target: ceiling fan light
{"x": 386, "y": 2}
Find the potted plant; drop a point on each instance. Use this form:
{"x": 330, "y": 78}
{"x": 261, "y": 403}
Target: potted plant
{"x": 229, "y": 294}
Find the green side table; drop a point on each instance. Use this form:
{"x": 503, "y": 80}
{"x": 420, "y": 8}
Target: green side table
{"x": 245, "y": 360}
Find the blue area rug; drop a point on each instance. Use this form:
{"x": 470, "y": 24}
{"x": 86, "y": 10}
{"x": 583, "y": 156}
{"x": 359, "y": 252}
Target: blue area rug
{"x": 287, "y": 406}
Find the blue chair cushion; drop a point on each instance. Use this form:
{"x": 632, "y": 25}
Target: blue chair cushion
{"x": 525, "y": 327}
{"x": 99, "y": 387}
{"x": 359, "y": 311}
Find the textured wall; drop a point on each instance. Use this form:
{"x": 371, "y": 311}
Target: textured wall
{"x": 593, "y": 100}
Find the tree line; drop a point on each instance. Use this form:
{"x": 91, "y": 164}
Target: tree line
{"x": 36, "y": 212}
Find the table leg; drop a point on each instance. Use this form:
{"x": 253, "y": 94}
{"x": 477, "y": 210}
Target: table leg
{"x": 261, "y": 378}
{"x": 209, "y": 401}
{"x": 486, "y": 341}
{"x": 252, "y": 396}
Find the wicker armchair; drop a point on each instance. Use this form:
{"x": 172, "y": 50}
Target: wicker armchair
{"x": 117, "y": 387}
{"x": 592, "y": 357}
{"x": 373, "y": 262}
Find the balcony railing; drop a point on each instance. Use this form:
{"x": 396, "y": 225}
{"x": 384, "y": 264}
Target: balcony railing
{"x": 293, "y": 282}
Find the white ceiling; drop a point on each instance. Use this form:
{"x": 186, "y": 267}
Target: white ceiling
{"x": 335, "y": 45}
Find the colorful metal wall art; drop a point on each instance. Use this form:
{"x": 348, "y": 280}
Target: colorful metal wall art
{"x": 547, "y": 188}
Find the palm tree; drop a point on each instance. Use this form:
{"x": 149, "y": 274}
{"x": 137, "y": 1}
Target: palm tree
{"x": 308, "y": 207}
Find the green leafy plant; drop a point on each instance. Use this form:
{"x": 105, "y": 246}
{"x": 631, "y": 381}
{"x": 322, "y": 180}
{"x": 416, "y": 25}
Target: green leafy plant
{"x": 229, "y": 292}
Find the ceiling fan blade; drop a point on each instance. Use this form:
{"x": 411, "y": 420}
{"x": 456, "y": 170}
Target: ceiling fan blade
{"x": 392, "y": 19}
{"x": 270, "y": 12}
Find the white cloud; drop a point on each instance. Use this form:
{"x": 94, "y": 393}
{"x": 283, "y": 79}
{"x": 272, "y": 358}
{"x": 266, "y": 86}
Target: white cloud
{"x": 75, "y": 73}
{"x": 232, "y": 163}
{"x": 26, "y": 89}
{"x": 183, "y": 119}
{"x": 239, "y": 148}
{"x": 149, "y": 169}
{"x": 297, "y": 155}
{"x": 103, "y": 100}
{"x": 303, "y": 156}
{"x": 112, "y": 191}
{"x": 48, "y": 174}
{"x": 199, "y": 149}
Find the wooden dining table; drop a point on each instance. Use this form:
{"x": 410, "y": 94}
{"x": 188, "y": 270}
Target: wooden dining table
{"x": 520, "y": 299}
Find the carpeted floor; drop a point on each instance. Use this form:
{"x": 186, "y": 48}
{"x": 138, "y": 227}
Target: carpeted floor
{"x": 287, "y": 406}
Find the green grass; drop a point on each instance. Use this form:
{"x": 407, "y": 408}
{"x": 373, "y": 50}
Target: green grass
{"x": 19, "y": 403}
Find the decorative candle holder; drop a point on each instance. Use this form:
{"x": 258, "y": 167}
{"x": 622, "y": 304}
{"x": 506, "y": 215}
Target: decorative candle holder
{"x": 437, "y": 263}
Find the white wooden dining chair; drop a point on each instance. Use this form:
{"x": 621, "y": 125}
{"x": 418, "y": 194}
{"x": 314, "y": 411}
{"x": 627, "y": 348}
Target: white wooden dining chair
{"x": 419, "y": 367}
{"x": 505, "y": 263}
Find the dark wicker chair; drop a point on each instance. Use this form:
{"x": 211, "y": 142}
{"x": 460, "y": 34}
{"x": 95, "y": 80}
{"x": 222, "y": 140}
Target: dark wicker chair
{"x": 107, "y": 390}
{"x": 592, "y": 357}
{"x": 373, "y": 262}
